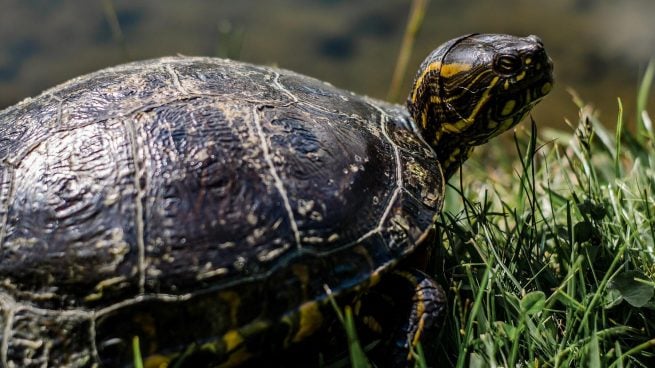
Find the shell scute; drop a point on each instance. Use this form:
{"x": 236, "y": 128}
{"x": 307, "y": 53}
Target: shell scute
{"x": 331, "y": 165}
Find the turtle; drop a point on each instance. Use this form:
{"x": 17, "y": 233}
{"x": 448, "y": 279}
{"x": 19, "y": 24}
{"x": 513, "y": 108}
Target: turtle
{"x": 213, "y": 208}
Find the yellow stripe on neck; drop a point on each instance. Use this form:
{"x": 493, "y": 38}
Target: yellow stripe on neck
{"x": 446, "y": 70}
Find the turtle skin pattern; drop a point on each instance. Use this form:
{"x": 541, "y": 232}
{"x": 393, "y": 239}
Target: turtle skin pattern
{"x": 193, "y": 201}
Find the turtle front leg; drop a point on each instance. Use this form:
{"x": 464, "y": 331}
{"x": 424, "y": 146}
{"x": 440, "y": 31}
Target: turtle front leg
{"x": 405, "y": 309}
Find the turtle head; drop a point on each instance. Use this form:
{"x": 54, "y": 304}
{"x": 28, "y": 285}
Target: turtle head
{"x": 475, "y": 87}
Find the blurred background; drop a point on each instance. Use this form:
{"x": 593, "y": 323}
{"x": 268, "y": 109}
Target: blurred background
{"x": 600, "y": 47}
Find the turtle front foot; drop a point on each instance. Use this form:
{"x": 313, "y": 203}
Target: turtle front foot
{"x": 405, "y": 309}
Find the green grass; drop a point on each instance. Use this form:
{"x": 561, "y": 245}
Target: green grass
{"x": 551, "y": 256}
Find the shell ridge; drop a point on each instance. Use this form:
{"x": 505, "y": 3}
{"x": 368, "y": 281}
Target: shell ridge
{"x": 92, "y": 337}
{"x": 6, "y": 194}
{"x": 277, "y": 181}
{"x": 384, "y": 120}
{"x": 176, "y": 79}
{"x": 142, "y": 298}
{"x": 378, "y": 228}
{"x": 138, "y": 205}
{"x": 278, "y": 85}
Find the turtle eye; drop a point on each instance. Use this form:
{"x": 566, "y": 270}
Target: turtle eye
{"x": 507, "y": 64}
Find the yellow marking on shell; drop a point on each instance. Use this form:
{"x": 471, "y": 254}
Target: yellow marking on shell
{"x": 460, "y": 125}
{"x": 156, "y": 361}
{"x": 311, "y": 319}
{"x": 509, "y": 107}
{"x": 506, "y": 85}
{"x": 232, "y": 340}
{"x": 520, "y": 76}
{"x": 445, "y": 70}
{"x": 546, "y": 88}
{"x": 492, "y": 124}
{"x": 234, "y": 302}
{"x": 528, "y": 61}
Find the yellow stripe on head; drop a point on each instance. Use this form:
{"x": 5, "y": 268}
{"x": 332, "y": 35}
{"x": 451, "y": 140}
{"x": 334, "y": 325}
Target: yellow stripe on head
{"x": 464, "y": 123}
{"x": 448, "y": 70}
{"x": 470, "y": 85}
{"x": 419, "y": 81}
{"x": 520, "y": 76}
{"x": 445, "y": 70}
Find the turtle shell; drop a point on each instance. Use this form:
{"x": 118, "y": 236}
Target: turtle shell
{"x": 182, "y": 198}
